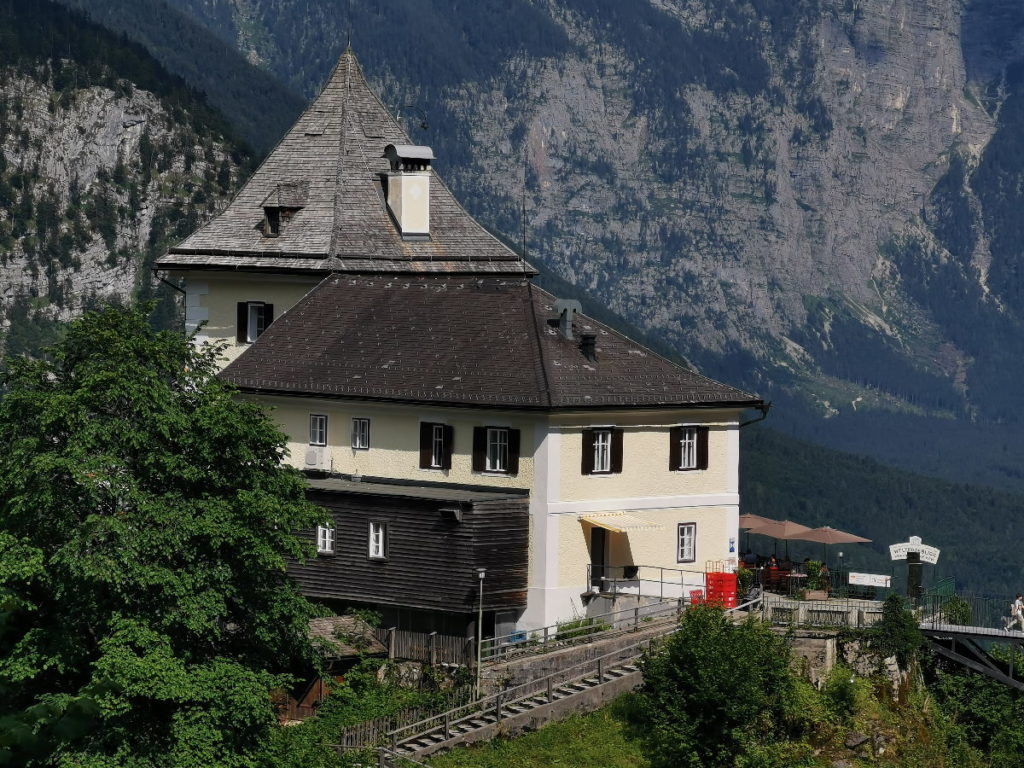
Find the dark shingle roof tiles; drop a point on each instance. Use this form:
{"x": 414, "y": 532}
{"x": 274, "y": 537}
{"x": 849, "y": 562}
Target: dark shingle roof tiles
{"x": 475, "y": 341}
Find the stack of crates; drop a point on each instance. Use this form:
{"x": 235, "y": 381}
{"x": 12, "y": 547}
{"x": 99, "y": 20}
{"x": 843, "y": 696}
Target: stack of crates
{"x": 721, "y": 589}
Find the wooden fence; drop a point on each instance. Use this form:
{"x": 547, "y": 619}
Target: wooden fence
{"x": 374, "y": 733}
{"x": 428, "y": 647}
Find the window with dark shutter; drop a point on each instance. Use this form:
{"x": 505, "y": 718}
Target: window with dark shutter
{"x": 254, "y": 317}
{"x": 587, "y": 464}
{"x": 479, "y": 449}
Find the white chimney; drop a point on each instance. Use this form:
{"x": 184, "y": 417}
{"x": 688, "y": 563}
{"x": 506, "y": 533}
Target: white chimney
{"x": 408, "y": 188}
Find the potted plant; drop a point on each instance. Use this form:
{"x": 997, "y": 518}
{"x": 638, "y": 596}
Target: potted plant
{"x": 817, "y": 580}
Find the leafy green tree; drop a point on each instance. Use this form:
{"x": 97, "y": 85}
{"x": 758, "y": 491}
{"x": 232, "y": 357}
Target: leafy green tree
{"x": 897, "y": 633}
{"x": 715, "y": 691}
{"x": 145, "y": 523}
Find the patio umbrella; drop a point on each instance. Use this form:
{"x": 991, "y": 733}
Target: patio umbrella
{"x": 828, "y": 535}
{"x": 780, "y": 529}
{"x": 752, "y": 521}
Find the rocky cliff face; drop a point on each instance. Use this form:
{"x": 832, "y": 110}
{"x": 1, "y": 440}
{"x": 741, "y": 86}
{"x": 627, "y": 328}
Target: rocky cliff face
{"x": 743, "y": 179}
{"x": 94, "y": 182}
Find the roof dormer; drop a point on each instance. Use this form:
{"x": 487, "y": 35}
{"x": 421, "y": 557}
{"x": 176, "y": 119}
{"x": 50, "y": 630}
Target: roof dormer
{"x": 282, "y": 204}
{"x": 407, "y": 187}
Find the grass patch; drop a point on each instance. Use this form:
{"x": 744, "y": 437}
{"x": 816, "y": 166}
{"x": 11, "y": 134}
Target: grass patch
{"x": 598, "y": 739}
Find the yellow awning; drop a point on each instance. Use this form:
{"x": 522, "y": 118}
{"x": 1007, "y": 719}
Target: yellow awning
{"x": 618, "y": 522}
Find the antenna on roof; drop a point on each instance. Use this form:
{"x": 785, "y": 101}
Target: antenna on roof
{"x": 525, "y": 145}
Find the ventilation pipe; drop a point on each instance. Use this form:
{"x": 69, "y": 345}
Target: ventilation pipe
{"x": 565, "y": 309}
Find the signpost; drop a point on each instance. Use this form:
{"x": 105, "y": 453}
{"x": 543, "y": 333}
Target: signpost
{"x": 870, "y": 580}
{"x": 915, "y": 553}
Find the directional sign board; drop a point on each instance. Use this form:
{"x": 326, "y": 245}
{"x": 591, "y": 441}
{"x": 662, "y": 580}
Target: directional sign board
{"x": 928, "y": 554}
{"x": 870, "y": 580}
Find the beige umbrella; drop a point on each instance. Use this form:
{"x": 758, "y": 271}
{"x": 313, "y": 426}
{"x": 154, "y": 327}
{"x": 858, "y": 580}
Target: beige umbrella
{"x": 780, "y": 529}
{"x": 752, "y": 521}
{"x": 827, "y": 535}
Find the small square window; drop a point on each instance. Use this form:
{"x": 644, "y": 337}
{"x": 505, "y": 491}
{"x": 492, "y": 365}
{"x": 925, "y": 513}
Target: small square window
{"x": 361, "y": 434}
{"x": 378, "y": 541}
{"x": 497, "y": 449}
{"x": 317, "y": 429}
{"x": 325, "y": 539}
{"x": 687, "y": 542}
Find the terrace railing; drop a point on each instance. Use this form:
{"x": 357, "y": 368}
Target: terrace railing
{"x": 587, "y": 629}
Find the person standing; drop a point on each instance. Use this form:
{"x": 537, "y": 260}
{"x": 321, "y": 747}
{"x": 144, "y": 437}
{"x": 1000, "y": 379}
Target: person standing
{"x": 1016, "y": 613}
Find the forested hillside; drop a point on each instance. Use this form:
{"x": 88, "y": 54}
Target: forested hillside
{"x": 813, "y": 199}
{"x": 105, "y": 159}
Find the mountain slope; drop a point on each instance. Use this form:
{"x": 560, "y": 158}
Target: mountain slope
{"x": 104, "y": 160}
{"x": 815, "y": 199}
{"x": 260, "y": 106}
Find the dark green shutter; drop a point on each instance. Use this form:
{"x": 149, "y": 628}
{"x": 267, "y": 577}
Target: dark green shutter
{"x": 675, "y": 449}
{"x": 587, "y": 464}
{"x": 513, "y": 451}
{"x": 448, "y": 438}
{"x": 426, "y": 443}
{"x": 702, "y": 447}
{"x": 243, "y": 322}
{"x": 479, "y": 449}
{"x": 616, "y": 450}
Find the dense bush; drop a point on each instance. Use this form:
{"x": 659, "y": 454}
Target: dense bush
{"x": 716, "y": 690}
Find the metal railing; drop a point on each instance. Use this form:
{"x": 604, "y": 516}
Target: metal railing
{"x": 645, "y": 580}
{"x": 542, "y": 688}
{"x": 586, "y": 629}
{"x": 937, "y": 611}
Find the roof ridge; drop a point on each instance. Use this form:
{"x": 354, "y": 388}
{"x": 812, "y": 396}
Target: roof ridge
{"x": 347, "y": 56}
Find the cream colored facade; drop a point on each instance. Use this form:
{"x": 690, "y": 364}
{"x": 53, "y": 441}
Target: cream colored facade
{"x": 212, "y": 298}
{"x": 560, "y": 494}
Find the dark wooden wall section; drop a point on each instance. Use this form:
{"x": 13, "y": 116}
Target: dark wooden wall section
{"x": 431, "y": 558}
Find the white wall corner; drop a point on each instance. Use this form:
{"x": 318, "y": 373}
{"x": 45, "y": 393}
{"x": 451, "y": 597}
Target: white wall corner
{"x": 732, "y": 478}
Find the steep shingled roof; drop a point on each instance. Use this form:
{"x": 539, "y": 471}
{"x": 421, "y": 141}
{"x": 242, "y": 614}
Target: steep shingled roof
{"x": 479, "y": 341}
{"x": 333, "y": 154}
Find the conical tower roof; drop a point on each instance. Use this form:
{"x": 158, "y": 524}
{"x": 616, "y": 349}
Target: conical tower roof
{"x": 327, "y": 172}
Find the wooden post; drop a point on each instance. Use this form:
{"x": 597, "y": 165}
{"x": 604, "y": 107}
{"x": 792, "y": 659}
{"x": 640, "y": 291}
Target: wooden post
{"x": 551, "y": 690}
{"x": 497, "y": 707}
{"x": 447, "y": 725}
{"x": 547, "y": 630}
{"x": 382, "y": 760}
{"x": 391, "y": 642}
{"x": 432, "y": 643}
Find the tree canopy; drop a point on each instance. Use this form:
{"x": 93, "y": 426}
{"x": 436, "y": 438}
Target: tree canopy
{"x": 145, "y": 524}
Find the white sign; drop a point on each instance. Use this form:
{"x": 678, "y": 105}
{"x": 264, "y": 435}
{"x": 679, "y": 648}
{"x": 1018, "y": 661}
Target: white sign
{"x": 870, "y": 580}
{"x": 928, "y": 554}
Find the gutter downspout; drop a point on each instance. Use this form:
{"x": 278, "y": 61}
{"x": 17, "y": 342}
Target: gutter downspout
{"x": 763, "y": 408}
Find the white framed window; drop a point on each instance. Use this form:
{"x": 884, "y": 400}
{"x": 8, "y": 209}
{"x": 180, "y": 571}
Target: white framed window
{"x": 602, "y": 450}
{"x": 325, "y": 539}
{"x": 317, "y": 429}
{"x": 497, "y": 449}
{"x": 361, "y": 433}
{"x": 257, "y": 320}
{"x": 688, "y": 448}
{"x": 437, "y": 453}
{"x": 378, "y": 541}
{"x": 687, "y": 543}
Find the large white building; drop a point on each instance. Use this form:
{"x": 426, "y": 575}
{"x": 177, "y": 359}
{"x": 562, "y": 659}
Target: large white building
{"x": 451, "y": 414}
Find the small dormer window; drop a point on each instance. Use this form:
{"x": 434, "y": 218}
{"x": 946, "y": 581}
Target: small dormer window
{"x": 272, "y": 222}
{"x": 281, "y": 205}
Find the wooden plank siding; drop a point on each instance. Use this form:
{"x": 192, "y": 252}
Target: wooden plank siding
{"x": 431, "y": 557}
